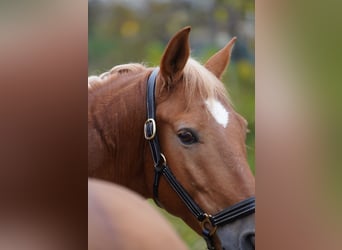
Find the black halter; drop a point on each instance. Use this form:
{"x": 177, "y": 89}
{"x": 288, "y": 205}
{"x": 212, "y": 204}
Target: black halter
{"x": 208, "y": 222}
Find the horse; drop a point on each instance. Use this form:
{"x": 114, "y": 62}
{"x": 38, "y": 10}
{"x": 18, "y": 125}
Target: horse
{"x": 113, "y": 224}
{"x": 170, "y": 133}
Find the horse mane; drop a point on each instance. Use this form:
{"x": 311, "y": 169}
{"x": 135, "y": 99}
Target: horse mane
{"x": 116, "y": 71}
{"x": 197, "y": 79}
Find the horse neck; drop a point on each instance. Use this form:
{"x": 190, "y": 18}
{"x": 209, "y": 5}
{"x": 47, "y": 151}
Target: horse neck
{"x": 116, "y": 145}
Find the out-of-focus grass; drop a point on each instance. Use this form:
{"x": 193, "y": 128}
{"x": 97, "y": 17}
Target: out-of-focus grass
{"x": 192, "y": 239}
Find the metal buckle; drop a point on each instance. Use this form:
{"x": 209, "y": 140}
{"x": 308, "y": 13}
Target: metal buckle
{"x": 207, "y": 225}
{"x": 154, "y": 129}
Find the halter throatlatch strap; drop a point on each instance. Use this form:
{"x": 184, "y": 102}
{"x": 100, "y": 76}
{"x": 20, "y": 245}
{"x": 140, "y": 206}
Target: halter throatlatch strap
{"x": 208, "y": 222}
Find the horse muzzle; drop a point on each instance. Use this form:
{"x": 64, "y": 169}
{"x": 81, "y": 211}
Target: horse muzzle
{"x": 238, "y": 235}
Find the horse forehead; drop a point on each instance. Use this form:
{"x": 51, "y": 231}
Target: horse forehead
{"x": 198, "y": 109}
{"x": 218, "y": 111}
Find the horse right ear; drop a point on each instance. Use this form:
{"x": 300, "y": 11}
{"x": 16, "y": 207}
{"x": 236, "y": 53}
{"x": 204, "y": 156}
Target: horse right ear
{"x": 219, "y": 62}
{"x": 175, "y": 56}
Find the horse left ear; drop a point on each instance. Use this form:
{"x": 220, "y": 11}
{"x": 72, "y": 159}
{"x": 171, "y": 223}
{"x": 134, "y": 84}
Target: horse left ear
{"x": 219, "y": 62}
{"x": 175, "y": 56}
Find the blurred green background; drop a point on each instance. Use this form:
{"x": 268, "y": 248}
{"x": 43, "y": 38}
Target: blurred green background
{"x": 124, "y": 31}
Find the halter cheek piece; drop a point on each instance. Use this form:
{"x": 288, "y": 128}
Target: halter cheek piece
{"x": 208, "y": 222}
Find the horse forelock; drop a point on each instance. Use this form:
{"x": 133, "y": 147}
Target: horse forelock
{"x": 198, "y": 80}
{"x": 117, "y": 71}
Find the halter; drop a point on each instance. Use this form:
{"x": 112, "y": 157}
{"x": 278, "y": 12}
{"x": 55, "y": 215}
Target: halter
{"x": 208, "y": 223}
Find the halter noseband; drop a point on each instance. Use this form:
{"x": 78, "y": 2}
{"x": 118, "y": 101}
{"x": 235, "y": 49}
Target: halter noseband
{"x": 208, "y": 222}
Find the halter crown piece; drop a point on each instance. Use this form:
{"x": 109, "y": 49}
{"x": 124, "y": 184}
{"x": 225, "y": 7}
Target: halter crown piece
{"x": 209, "y": 223}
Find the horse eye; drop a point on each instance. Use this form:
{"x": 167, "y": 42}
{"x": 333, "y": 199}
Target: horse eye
{"x": 187, "y": 137}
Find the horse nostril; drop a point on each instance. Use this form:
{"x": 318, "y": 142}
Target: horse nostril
{"x": 252, "y": 239}
{"x": 247, "y": 242}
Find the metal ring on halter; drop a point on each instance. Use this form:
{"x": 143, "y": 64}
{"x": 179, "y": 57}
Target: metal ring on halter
{"x": 164, "y": 159}
{"x": 161, "y": 163}
{"x": 154, "y": 129}
{"x": 207, "y": 222}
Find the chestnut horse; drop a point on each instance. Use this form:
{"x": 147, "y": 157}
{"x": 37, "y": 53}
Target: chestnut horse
{"x": 196, "y": 137}
{"x": 120, "y": 219}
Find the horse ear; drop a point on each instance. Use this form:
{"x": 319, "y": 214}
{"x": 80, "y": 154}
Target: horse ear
{"x": 219, "y": 62}
{"x": 175, "y": 55}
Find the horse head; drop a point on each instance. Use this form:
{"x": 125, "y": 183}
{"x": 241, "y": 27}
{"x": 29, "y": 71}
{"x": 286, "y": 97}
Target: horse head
{"x": 203, "y": 141}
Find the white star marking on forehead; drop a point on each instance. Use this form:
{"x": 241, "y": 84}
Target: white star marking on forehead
{"x": 218, "y": 111}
